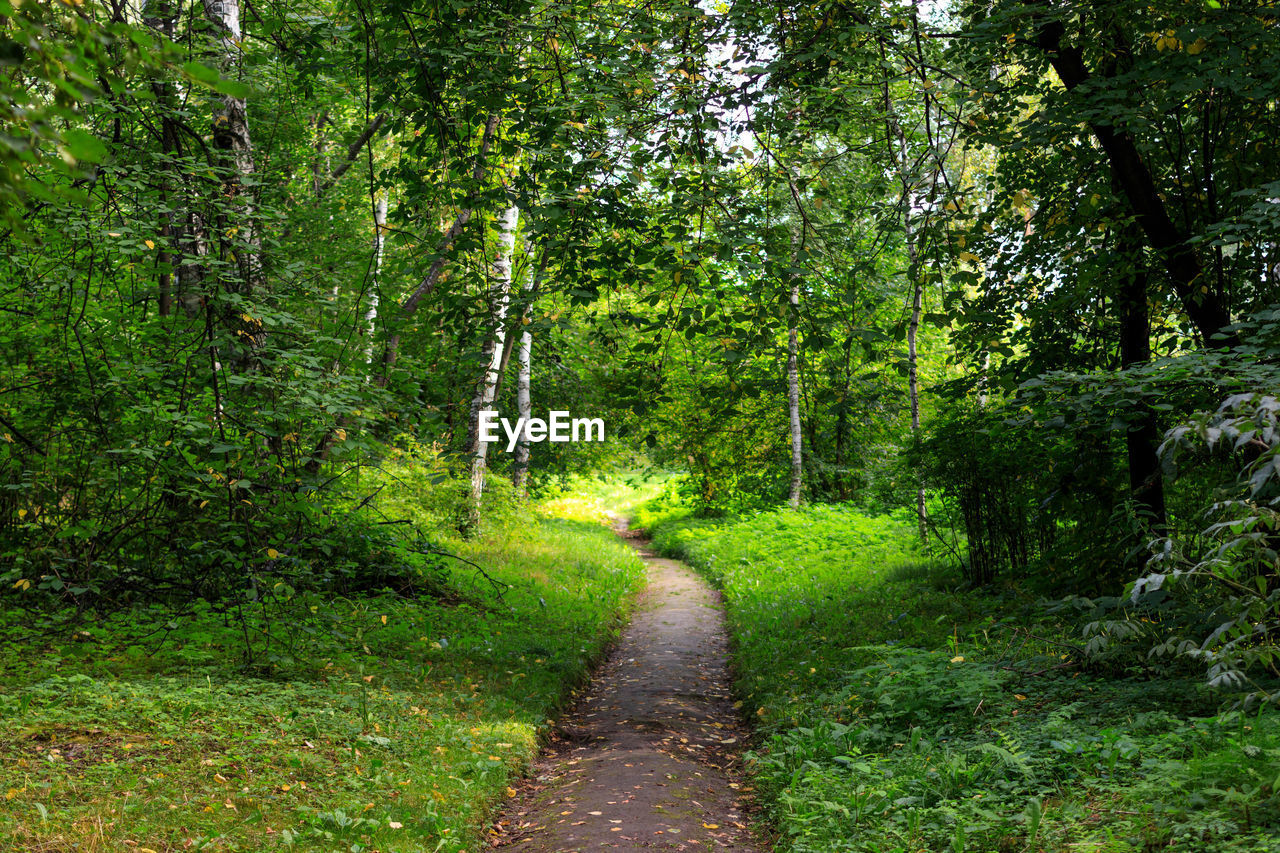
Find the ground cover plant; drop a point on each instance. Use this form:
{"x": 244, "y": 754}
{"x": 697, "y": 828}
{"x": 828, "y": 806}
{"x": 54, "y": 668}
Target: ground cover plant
{"x": 1011, "y": 265}
{"x": 372, "y": 721}
{"x": 898, "y": 711}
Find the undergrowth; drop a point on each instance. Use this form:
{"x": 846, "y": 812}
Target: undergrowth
{"x": 899, "y": 712}
{"x": 373, "y": 721}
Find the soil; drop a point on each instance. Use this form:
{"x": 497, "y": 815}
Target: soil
{"x": 649, "y": 758}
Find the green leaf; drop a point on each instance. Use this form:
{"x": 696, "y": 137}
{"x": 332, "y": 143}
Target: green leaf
{"x": 234, "y": 88}
{"x": 84, "y": 146}
{"x": 200, "y": 73}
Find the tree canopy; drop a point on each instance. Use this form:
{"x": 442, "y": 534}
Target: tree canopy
{"x": 1011, "y": 264}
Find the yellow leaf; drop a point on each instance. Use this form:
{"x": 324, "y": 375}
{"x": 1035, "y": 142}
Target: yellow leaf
{"x": 1019, "y": 697}
{"x": 149, "y": 244}
{"x": 22, "y": 583}
{"x": 384, "y": 618}
{"x": 1197, "y": 46}
{"x": 958, "y": 659}
{"x": 286, "y": 786}
{"x": 341, "y": 434}
{"x": 203, "y": 504}
{"x": 711, "y": 826}
{"x": 272, "y": 554}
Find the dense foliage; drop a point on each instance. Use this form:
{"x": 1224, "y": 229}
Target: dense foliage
{"x": 898, "y": 715}
{"x": 377, "y": 722}
{"x": 1010, "y": 266}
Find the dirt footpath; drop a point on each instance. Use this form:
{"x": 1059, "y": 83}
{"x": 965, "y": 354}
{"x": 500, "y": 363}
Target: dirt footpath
{"x": 648, "y": 758}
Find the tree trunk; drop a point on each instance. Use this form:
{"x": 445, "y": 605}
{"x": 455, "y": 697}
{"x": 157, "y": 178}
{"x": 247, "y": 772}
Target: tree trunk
{"x": 231, "y": 136}
{"x": 161, "y": 17}
{"x": 1201, "y": 302}
{"x": 524, "y": 375}
{"x": 428, "y": 282}
{"x": 793, "y": 379}
{"x": 491, "y": 357}
{"x": 379, "y": 244}
{"x": 913, "y": 369}
{"x": 320, "y": 162}
{"x": 896, "y": 142}
{"x": 1146, "y": 481}
{"x": 524, "y": 410}
{"x": 353, "y": 151}
{"x": 917, "y": 301}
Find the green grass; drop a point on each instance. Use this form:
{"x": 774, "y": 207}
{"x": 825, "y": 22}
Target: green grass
{"x": 367, "y": 723}
{"x": 896, "y": 712}
{"x": 608, "y": 499}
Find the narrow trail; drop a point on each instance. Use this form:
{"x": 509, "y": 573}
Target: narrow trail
{"x": 647, "y": 760}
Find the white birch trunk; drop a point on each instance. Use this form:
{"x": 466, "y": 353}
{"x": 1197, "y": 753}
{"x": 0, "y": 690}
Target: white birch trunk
{"x": 524, "y": 403}
{"x": 499, "y": 300}
{"x": 231, "y": 135}
{"x": 379, "y": 245}
{"x": 793, "y": 384}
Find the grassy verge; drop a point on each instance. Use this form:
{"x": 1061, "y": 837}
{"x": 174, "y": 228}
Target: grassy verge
{"x": 368, "y": 722}
{"x": 899, "y": 714}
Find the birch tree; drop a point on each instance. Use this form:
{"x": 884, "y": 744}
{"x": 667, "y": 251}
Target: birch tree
{"x": 231, "y": 136}
{"x": 793, "y": 377}
{"x": 919, "y": 176}
{"x": 379, "y": 247}
{"x": 491, "y": 355}
{"x": 524, "y": 376}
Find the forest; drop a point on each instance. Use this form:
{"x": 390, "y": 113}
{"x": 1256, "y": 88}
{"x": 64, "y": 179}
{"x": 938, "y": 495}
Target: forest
{"x": 941, "y": 338}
